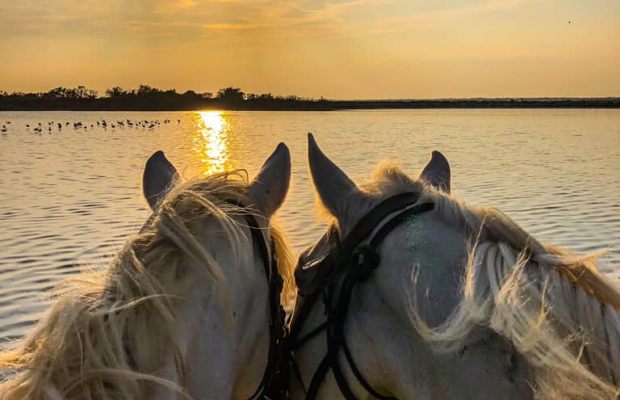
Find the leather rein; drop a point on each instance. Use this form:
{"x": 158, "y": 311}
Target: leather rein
{"x": 347, "y": 263}
{"x": 270, "y": 385}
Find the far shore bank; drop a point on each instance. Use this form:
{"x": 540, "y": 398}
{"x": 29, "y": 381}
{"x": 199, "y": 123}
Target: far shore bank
{"x": 147, "y": 98}
{"x": 120, "y": 104}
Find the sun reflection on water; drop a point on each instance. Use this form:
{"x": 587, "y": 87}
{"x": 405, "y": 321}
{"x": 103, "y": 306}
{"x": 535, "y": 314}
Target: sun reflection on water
{"x": 211, "y": 143}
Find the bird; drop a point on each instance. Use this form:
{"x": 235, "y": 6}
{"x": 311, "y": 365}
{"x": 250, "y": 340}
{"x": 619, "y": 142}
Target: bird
{"x": 569, "y": 22}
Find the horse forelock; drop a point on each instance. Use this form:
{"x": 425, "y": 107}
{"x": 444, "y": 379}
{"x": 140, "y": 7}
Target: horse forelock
{"x": 89, "y": 345}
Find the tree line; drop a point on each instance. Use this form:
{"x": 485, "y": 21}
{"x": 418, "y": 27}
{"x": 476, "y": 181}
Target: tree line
{"x": 147, "y": 98}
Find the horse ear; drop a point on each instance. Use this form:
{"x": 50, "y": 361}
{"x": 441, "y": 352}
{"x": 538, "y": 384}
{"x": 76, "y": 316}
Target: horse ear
{"x": 159, "y": 175}
{"x": 268, "y": 190}
{"x": 437, "y": 172}
{"x": 333, "y": 186}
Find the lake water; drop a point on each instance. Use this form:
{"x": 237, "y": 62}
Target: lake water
{"x": 71, "y": 197}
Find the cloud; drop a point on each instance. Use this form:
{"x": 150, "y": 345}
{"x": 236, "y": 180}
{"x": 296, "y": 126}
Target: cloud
{"x": 28, "y": 18}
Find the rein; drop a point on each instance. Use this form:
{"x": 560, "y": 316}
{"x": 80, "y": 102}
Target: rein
{"x": 271, "y": 384}
{"x": 347, "y": 263}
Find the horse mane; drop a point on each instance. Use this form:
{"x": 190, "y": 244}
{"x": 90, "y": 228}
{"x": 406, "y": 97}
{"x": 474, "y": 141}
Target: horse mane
{"x": 90, "y": 344}
{"x": 554, "y": 306}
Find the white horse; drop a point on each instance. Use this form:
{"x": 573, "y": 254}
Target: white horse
{"x": 181, "y": 312}
{"x": 463, "y": 304}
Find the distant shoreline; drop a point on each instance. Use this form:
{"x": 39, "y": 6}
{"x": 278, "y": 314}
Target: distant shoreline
{"x": 326, "y": 105}
{"x": 146, "y": 98}
{"x": 106, "y": 104}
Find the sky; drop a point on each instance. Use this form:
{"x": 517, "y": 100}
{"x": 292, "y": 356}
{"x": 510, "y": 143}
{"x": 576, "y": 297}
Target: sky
{"x": 339, "y": 49}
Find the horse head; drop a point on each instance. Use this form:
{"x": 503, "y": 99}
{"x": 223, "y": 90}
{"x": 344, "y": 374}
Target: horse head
{"x": 413, "y": 294}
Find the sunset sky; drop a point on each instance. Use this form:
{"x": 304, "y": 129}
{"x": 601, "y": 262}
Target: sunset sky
{"x": 348, "y": 49}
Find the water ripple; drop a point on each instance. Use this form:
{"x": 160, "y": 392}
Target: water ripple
{"x": 71, "y": 199}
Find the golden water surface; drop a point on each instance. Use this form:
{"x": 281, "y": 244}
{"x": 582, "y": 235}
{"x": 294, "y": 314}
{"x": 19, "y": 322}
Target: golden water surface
{"x": 71, "y": 197}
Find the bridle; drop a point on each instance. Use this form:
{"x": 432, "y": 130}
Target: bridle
{"x": 347, "y": 263}
{"x": 271, "y": 384}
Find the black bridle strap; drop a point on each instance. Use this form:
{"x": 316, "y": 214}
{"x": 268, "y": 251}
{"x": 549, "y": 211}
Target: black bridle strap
{"x": 307, "y": 302}
{"x": 369, "y": 222}
{"x": 276, "y": 313}
{"x": 374, "y": 244}
{"x": 336, "y": 341}
{"x": 398, "y": 219}
{"x": 356, "y": 270}
{"x": 259, "y": 239}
